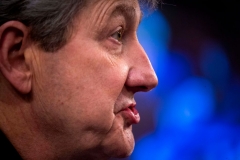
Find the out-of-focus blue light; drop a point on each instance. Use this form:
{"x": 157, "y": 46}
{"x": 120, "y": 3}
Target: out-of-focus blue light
{"x": 177, "y": 137}
{"x": 175, "y": 71}
{"x": 222, "y": 142}
{"x": 214, "y": 64}
{"x": 154, "y": 147}
{"x": 156, "y": 26}
{"x": 186, "y": 126}
{"x": 211, "y": 141}
{"x": 231, "y": 102}
{"x": 190, "y": 103}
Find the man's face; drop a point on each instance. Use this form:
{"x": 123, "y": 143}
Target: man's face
{"x": 83, "y": 94}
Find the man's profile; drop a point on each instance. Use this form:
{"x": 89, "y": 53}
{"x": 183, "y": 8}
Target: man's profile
{"x": 69, "y": 70}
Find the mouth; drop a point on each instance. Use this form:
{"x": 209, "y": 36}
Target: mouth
{"x": 131, "y": 114}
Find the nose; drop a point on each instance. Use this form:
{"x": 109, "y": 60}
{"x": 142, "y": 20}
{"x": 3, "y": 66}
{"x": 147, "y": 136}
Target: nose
{"x": 141, "y": 75}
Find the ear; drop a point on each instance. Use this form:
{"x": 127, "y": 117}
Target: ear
{"x": 13, "y": 65}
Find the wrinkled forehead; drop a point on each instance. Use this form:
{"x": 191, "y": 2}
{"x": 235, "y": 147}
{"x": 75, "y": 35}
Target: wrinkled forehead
{"x": 99, "y": 12}
{"x": 106, "y": 4}
{"x": 135, "y": 6}
{"x": 146, "y": 4}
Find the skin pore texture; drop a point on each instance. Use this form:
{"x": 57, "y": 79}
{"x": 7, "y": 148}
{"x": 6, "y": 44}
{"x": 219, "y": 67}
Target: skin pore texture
{"x": 72, "y": 106}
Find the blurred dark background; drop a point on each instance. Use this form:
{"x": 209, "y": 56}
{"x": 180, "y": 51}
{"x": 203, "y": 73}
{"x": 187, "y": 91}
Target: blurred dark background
{"x": 194, "y": 113}
{"x": 218, "y": 19}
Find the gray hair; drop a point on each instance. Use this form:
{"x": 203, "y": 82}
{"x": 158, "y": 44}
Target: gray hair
{"x": 49, "y": 20}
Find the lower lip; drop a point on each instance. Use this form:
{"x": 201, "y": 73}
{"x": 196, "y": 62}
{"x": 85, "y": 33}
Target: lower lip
{"x": 131, "y": 115}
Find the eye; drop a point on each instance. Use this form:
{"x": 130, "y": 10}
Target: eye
{"x": 118, "y": 35}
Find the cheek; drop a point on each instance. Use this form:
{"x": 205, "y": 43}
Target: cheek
{"x": 95, "y": 97}
{"x": 78, "y": 95}
{"x": 87, "y": 103}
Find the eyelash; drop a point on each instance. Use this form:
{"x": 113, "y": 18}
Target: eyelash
{"x": 118, "y": 35}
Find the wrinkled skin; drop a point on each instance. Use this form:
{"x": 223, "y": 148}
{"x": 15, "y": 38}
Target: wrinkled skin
{"x": 78, "y": 92}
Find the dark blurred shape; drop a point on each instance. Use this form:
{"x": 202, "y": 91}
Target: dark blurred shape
{"x": 222, "y": 18}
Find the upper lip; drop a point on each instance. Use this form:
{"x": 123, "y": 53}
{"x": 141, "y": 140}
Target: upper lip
{"x": 130, "y": 106}
{"x": 124, "y": 102}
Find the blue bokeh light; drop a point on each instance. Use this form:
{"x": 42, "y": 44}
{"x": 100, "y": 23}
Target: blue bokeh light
{"x": 198, "y": 118}
{"x": 214, "y": 64}
{"x": 188, "y": 104}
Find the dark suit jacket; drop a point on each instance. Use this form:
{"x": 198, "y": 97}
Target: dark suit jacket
{"x": 7, "y": 151}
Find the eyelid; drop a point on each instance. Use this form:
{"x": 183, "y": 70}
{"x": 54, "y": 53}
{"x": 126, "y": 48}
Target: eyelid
{"x": 118, "y": 34}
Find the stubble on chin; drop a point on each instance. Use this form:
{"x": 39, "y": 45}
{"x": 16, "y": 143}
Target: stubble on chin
{"x": 119, "y": 141}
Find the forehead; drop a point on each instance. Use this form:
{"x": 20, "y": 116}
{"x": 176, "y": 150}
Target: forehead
{"x": 109, "y": 3}
{"x": 106, "y": 7}
{"x": 98, "y": 14}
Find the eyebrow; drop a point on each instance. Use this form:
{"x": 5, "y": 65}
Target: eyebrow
{"x": 129, "y": 12}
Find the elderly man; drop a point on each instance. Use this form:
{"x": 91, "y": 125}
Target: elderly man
{"x": 69, "y": 70}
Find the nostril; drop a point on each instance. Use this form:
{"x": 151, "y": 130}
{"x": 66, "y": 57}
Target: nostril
{"x": 138, "y": 89}
{"x": 143, "y": 88}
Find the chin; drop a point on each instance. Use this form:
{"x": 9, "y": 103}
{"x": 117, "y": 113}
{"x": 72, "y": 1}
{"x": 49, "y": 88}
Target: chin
{"x": 119, "y": 145}
{"x": 122, "y": 151}
{"x": 123, "y": 154}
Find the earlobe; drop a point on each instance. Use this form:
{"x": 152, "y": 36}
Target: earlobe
{"x": 13, "y": 64}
